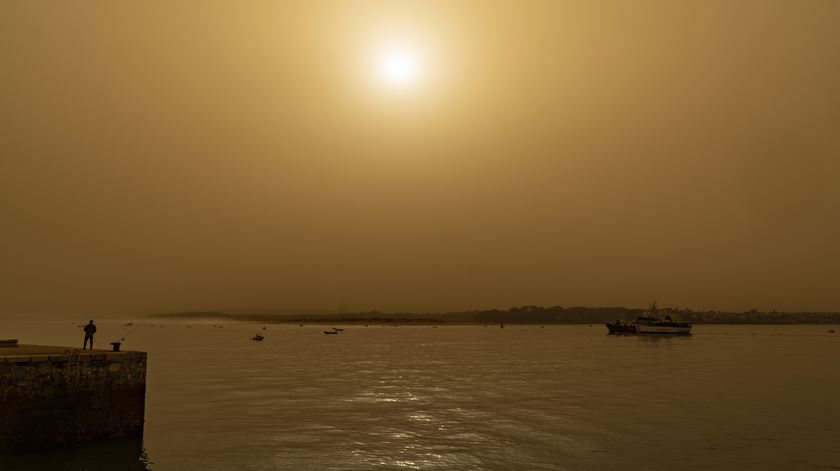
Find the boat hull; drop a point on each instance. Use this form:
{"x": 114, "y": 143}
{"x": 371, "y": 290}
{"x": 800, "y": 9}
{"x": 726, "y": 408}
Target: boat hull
{"x": 621, "y": 329}
{"x": 642, "y": 329}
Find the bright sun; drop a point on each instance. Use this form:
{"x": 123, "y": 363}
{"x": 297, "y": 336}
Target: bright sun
{"x": 398, "y": 67}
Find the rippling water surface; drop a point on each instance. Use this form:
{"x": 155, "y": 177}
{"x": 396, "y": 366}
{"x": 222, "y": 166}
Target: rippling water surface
{"x": 470, "y": 397}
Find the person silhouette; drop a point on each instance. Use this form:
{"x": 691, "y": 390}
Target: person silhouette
{"x": 90, "y": 329}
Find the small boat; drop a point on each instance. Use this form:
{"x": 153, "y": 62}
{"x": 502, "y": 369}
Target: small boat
{"x": 649, "y": 323}
{"x": 337, "y": 329}
{"x": 830, "y": 331}
{"x": 129, "y": 324}
{"x": 257, "y": 338}
{"x": 330, "y": 332}
{"x": 620, "y": 327}
{"x": 10, "y": 343}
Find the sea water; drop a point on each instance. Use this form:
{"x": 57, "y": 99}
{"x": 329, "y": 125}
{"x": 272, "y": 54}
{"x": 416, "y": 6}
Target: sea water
{"x": 466, "y": 398}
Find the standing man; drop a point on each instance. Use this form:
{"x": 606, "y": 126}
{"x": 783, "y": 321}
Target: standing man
{"x": 90, "y": 329}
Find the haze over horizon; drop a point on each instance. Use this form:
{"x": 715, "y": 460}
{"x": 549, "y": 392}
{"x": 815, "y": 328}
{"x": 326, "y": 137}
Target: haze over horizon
{"x": 418, "y": 156}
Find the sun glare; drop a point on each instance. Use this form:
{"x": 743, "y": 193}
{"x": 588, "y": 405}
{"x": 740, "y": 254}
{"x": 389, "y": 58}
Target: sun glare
{"x": 398, "y": 67}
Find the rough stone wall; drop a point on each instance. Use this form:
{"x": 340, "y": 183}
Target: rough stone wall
{"x": 51, "y": 400}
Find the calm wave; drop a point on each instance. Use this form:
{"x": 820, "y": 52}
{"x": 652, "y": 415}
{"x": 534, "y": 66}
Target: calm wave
{"x": 470, "y": 397}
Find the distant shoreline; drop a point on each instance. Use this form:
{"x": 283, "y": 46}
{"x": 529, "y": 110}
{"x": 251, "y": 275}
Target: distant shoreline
{"x": 528, "y": 315}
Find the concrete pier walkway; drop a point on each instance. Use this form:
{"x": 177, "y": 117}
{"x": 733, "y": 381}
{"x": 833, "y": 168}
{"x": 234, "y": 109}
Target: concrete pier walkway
{"x": 33, "y": 350}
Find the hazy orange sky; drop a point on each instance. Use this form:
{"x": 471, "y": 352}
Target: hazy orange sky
{"x": 187, "y": 155}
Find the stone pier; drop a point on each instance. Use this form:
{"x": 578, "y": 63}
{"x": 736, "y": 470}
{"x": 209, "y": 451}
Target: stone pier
{"x": 53, "y": 396}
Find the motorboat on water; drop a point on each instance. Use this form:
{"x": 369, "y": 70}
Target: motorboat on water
{"x": 666, "y": 326}
{"x": 649, "y": 323}
{"x": 620, "y": 327}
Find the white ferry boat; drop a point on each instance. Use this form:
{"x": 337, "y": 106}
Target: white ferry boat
{"x": 650, "y": 323}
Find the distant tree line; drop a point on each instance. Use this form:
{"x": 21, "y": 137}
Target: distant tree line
{"x": 531, "y": 315}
